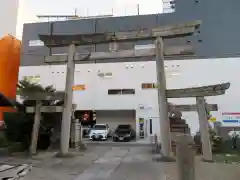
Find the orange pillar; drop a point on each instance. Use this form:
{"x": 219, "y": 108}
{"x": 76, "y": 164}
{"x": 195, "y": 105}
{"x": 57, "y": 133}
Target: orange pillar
{"x": 9, "y": 68}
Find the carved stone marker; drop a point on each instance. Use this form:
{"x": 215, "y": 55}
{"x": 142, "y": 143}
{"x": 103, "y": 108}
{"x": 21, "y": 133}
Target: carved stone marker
{"x": 75, "y": 133}
{"x": 185, "y": 158}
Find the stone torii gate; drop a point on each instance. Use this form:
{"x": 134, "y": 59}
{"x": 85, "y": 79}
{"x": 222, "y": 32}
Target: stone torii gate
{"x": 159, "y": 33}
{"x": 202, "y": 108}
{"x": 171, "y": 31}
{"x": 38, "y": 109}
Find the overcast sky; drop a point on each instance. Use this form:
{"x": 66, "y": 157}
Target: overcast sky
{"x": 95, "y": 7}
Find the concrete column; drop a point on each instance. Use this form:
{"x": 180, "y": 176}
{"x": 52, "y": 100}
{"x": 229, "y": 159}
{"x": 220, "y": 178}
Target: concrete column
{"x": 204, "y": 131}
{"x": 67, "y": 111}
{"x": 36, "y": 126}
{"x": 162, "y": 100}
{"x": 185, "y": 158}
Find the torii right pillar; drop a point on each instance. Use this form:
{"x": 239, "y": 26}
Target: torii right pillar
{"x": 204, "y": 130}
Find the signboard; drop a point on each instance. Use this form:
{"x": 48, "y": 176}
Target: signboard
{"x": 105, "y": 75}
{"x": 231, "y": 118}
{"x": 212, "y": 119}
{"x": 80, "y": 87}
{"x": 141, "y": 128}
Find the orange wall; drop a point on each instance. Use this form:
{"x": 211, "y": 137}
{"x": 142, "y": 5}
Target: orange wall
{"x": 9, "y": 68}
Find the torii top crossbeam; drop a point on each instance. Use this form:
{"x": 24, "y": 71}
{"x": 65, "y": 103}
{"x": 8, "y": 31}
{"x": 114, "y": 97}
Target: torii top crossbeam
{"x": 167, "y": 31}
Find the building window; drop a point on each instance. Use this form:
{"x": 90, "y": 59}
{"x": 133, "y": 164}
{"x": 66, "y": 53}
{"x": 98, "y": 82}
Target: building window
{"x": 149, "y": 86}
{"x": 121, "y": 91}
{"x": 128, "y": 91}
{"x": 114, "y": 91}
{"x": 34, "y": 43}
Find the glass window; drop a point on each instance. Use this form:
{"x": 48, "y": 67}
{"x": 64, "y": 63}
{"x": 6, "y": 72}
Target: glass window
{"x": 114, "y": 91}
{"x": 99, "y": 127}
{"x": 124, "y": 126}
{"x": 128, "y": 91}
{"x": 121, "y": 91}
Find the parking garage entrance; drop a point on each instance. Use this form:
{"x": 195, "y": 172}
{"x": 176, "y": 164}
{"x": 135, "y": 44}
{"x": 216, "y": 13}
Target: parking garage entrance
{"x": 116, "y": 117}
{"x": 113, "y": 118}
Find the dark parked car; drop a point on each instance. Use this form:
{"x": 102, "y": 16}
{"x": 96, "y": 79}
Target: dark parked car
{"x": 124, "y": 132}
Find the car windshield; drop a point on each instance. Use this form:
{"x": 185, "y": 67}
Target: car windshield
{"x": 99, "y": 127}
{"x": 123, "y": 128}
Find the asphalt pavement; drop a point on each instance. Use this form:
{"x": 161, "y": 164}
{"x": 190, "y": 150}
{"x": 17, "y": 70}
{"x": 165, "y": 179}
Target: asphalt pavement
{"x": 124, "y": 162}
{"x": 97, "y": 163}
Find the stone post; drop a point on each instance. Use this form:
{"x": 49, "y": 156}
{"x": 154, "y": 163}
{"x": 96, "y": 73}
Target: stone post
{"x": 185, "y": 158}
{"x": 36, "y": 126}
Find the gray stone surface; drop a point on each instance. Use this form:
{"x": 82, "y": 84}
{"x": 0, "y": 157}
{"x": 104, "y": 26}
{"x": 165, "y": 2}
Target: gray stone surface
{"x": 115, "y": 163}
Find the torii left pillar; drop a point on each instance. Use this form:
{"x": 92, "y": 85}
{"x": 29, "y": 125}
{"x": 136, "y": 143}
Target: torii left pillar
{"x": 162, "y": 101}
{"x": 67, "y": 111}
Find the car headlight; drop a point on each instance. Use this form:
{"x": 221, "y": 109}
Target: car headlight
{"x": 128, "y": 135}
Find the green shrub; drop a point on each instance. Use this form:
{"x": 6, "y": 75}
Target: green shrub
{"x": 216, "y": 141}
{"x": 217, "y": 144}
{"x": 3, "y": 140}
{"x": 18, "y": 127}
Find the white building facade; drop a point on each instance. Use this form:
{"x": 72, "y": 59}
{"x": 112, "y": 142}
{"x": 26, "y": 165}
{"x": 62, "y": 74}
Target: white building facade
{"x": 116, "y": 88}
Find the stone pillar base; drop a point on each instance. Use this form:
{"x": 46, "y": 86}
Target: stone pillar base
{"x": 82, "y": 146}
{"x": 60, "y": 155}
{"x": 160, "y": 158}
{"x": 78, "y": 145}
